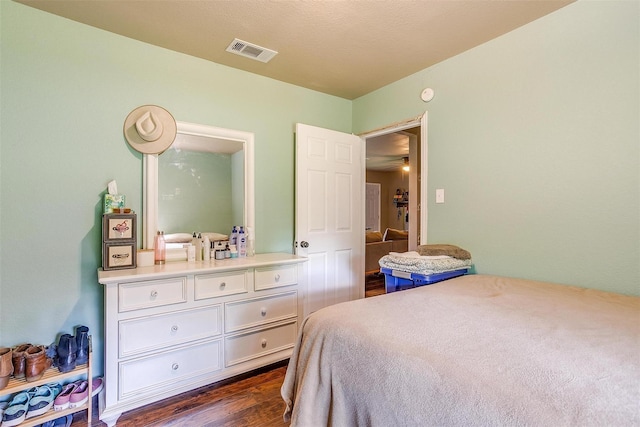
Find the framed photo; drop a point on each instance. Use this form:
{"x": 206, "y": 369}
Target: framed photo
{"x": 117, "y": 227}
{"x": 118, "y": 255}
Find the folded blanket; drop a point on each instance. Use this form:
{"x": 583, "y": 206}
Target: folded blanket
{"x": 441, "y": 249}
{"x": 413, "y": 262}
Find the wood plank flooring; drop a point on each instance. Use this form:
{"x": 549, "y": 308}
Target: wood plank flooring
{"x": 248, "y": 400}
{"x": 374, "y": 285}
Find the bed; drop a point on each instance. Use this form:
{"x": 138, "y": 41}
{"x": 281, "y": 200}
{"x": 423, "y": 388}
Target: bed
{"x": 474, "y": 350}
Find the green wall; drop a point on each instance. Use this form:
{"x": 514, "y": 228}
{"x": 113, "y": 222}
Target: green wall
{"x": 535, "y": 138}
{"x": 66, "y": 90}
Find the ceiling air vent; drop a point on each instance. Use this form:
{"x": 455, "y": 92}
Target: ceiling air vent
{"x": 250, "y": 50}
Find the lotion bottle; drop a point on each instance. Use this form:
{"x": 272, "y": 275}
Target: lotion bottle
{"x": 242, "y": 243}
{"x": 234, "y": 236}
{"x": 159, "y": 249}
{"x": 206, "y": 249}
{"x": 199, "y": 247}
{"x": 251, "y": 243}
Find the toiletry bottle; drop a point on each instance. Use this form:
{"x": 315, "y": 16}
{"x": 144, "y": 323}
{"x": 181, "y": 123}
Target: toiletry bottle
{"x": 159, "y": 249}
{"x": 242, "y": 243}
{"x": 227, "y": 251}
{"x": 199, "y": 247}
{"x": 191, "y": 253}
{"x": 206, "y": 249}
{"x": 251, "y": 243}
{"x": 234, "y": 236}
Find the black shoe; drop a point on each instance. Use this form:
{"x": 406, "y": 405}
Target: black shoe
{"x": 67, "y": 349}
{"x": 82, "y": 344}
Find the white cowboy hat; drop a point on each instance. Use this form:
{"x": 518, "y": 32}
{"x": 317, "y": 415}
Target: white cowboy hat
{"x": 150, "y": 129}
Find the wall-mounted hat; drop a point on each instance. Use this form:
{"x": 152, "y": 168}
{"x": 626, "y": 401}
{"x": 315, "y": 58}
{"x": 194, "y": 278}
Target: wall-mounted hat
{"x": 150, "y": 129}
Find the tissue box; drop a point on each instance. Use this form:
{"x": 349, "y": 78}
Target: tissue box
{"x": 113, "y": 201}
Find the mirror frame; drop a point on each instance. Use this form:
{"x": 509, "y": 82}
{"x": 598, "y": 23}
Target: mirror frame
{"x": 150, "y": 177}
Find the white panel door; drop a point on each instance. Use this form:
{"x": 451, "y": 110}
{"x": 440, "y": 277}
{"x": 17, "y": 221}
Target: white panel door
{"x": 329, "y": 217}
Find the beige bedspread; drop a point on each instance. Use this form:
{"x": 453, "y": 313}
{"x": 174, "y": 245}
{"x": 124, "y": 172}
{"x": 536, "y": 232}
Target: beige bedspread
{"x": 471, "y": 351}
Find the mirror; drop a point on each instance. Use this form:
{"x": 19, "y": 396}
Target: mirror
{"x": 203, "y": 182}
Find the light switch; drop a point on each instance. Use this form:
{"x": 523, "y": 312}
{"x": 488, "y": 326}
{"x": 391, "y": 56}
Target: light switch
{"x": 440, "y": 195}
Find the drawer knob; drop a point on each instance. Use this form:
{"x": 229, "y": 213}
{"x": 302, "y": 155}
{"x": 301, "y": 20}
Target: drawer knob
{"x": 154, "y": 294}
{"x": 222, "y": 285}
{"x": 263, "y": 343}
{"x": 277, "y": 277}
{"x": 175, "y": 366}
{"x": 174, "y": 328}
{"x": 263, "y": 311}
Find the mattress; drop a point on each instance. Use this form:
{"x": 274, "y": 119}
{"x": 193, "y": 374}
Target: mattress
{"x": 473, "y": 350}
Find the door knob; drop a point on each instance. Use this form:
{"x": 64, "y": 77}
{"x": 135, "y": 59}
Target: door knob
{"x": 304, "y": 244}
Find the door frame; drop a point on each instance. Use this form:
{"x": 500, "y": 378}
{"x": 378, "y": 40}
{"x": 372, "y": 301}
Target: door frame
{"x": 421, "y": 121}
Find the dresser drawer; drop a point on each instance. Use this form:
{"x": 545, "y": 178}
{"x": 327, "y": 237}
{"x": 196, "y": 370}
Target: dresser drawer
{"x": 216, "y": 285}
{"x": 242, "y": 347}
{"x": 161, "y": 372}
{"x": 155, "y": 332}
{"x": 153, "y": 293}
{"x": 273, "y": 277}
{"x": 257, "y": 311}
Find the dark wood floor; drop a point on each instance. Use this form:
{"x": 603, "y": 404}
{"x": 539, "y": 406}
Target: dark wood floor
{"x": 374, "y": 285}
{"x": 244, "y": 401}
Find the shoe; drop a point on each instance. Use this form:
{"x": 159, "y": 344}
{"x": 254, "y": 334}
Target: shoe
{"x": 6, "y": 366}
{"x": 67, "y": 349}
{"x": 59, "y": 422}
{"x": 96, "y": 386}
{"x": 82, "y": 344}
{"x": 56, "y": 388}
{"x": 16, "y": 412}
{"x": 80, "y": 395}
{"x": 61, "y": 402}
{"x": 18, "y": 360}
{"x": 40, "y": 400}
{"x": 36, "y": 363}
{"x": 3, "y": 407}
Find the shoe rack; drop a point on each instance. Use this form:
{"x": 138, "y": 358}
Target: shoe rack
{"x": 52, "y": 375}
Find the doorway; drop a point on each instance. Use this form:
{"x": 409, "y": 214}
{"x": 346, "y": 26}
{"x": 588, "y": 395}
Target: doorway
{"x": 389, "y": 152}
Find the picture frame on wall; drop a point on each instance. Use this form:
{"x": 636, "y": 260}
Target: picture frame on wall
{"x": 118, "y": 227}
{"x": 118, "y": 255}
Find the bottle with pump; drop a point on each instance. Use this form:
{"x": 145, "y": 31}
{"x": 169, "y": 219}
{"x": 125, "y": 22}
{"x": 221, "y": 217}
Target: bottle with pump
{"x": 242, "y": 243}
{"x": 233, "y": 240}
{"x": 199, "y": 247}
{"x": 159, "y": 249}
{"x": 194, "y": 243}
{"x": 227, "y": 251}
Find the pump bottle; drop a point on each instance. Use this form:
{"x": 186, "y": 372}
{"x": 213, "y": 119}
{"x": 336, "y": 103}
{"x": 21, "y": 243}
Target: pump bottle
{"x": 242, "y": 243}
{"x": 159, "y": 249}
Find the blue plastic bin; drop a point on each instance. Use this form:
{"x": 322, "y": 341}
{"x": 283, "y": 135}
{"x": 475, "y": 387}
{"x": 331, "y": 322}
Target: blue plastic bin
{"x": 396, "y": 280}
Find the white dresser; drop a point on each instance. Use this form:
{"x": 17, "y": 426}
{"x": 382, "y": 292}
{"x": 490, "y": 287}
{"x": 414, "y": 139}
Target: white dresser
{"x": 176, "y": 327}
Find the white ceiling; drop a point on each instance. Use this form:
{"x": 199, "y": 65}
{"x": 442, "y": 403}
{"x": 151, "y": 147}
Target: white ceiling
{"x": 345, "y": 48}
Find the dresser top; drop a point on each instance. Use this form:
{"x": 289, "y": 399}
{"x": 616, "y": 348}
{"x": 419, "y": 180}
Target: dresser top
{"x": 197, "y": 267}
